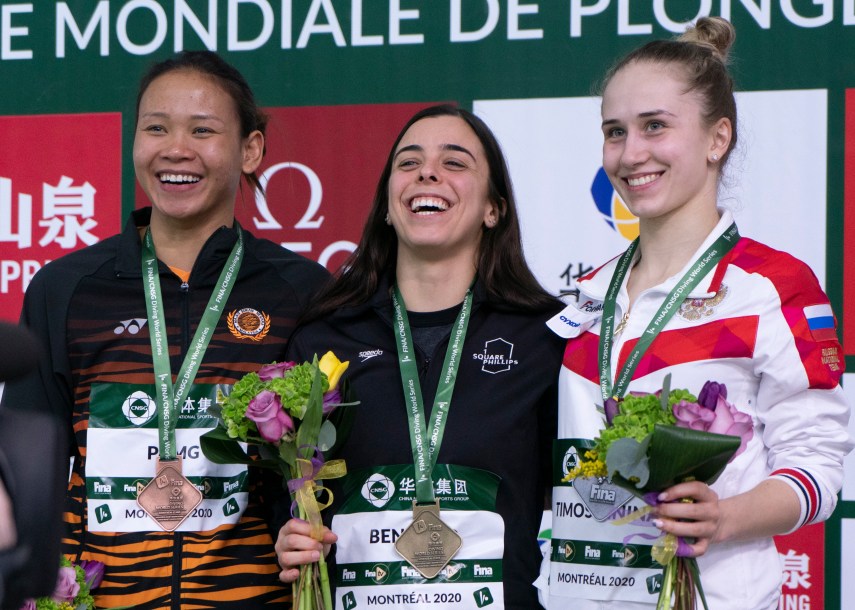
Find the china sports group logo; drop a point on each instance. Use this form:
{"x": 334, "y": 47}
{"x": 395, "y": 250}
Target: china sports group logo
{"x": 612, "y": 208}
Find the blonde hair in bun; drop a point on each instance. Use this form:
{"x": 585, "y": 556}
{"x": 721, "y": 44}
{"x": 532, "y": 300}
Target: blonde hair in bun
{"x": 715, "y": 33}
{"x": 700, "y": 54}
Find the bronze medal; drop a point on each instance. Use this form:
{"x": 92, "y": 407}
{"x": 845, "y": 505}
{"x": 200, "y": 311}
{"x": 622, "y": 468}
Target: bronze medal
{"x": 169, "y": 497}
{"x": 428, "y": 544}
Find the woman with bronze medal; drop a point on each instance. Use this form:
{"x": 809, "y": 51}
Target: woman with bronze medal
{"x": 692, "y": 299}
{"x": 144, "y": 331}
{"x": 443, "y": 324}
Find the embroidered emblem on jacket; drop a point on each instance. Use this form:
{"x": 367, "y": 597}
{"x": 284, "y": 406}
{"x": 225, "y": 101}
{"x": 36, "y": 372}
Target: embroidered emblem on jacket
{"x": 248, "y": 323}
{"x": 695, "y": 309}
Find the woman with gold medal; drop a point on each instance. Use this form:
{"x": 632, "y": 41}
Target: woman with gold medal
{"x": 443, "y": 324}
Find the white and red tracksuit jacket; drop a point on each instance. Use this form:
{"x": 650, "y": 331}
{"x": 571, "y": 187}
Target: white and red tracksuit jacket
{"x": 759, "y": 323}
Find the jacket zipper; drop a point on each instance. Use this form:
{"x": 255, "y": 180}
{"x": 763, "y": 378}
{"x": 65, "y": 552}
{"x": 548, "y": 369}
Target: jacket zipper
{"x": 178, "y": 537}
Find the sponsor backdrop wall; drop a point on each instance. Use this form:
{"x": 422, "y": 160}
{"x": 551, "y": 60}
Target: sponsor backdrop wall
{"x": 339, "y": 78}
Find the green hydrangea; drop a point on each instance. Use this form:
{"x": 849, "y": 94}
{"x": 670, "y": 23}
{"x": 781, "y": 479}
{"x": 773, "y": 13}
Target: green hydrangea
{"x": 637, "y": 415}
{"x": 295, "y": 387}
{"x": 234, "y": 406}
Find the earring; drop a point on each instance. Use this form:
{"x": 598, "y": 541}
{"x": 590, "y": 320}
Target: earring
{"x": 715, "y": 156}
{"x": 388, "y": 220}
{"x": 490, "y": 222}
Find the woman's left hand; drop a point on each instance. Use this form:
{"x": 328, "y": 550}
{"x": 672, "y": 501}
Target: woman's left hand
{"x": 697, "y": 521}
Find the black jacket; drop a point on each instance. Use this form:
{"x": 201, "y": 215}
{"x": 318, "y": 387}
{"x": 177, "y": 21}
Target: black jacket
{"x": 503, "y": 412}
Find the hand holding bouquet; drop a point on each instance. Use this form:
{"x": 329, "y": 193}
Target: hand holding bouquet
{"x": 654, "y": 441}
{"x": 287, "y": 411}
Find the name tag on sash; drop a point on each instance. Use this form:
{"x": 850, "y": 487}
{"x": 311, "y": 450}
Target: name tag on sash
{"x": 590, "y": 556}
{"x": 378, "y": 509}
{"x": 122, "y": 451}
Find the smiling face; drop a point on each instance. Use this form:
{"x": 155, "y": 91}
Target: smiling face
{"x": 657, "y": 151}
{"x": 189, "y": 154}
{"x": 438, "y": 190}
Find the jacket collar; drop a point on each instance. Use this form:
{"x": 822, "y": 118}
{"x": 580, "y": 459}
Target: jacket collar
{"x": 595, "y": 285}
{"x": 207, "y": 267}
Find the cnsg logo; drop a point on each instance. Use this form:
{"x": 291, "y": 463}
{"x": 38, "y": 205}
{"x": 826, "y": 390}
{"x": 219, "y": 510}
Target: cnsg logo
{"x": 612, "y": 207}
{"x": 378, "y": 490}
{"x": 138, "y": 408}
{"x": 570, "y": 461}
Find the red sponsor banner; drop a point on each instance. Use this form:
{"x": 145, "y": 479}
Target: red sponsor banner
{"x": 849, "y": 228}
{"x": 320, "y": 173}
{"x": 803, "y": 557}
{"x": 60, "y": 190}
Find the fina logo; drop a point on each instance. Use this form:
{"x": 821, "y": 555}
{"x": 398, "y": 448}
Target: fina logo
{"x": 612, "y": 207}
{"x": 139, "y": 408}
{"x": 378, "y": 490}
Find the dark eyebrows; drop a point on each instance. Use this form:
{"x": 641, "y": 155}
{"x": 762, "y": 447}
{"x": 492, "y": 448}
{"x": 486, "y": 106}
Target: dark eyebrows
{"x": 195, "y": 117}
{"x": 418, "y": 148}
{"x": 641, "y": 115}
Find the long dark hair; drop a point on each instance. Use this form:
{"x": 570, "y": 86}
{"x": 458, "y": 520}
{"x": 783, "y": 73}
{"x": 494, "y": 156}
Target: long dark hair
{"x": 228, "y": 77}
{"x": 501, "y": 266}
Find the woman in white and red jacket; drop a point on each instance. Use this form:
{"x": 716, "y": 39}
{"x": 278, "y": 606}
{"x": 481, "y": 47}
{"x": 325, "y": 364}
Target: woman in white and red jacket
{"x": 745, "y": 315}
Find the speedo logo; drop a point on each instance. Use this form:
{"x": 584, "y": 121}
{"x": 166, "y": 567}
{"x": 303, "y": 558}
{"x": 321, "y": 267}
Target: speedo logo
{"x": 369, "y": 354}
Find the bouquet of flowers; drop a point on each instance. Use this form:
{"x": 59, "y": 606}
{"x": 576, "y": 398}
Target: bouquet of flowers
{"x": 289, "y": 412}
{"x": 654, "y": 441}
{"x": 74, "y": 585}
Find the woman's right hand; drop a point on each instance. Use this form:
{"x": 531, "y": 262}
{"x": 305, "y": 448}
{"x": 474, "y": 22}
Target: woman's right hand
{"x": 295, "y": 547}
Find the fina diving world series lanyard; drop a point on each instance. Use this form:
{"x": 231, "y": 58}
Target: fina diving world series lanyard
{"x": 169, "y": 498}
{"x": 428, "y": 544}
{"x": 711, "y": 257}
{"x": 426, "y": 448}
{"x": 168, "y": 397}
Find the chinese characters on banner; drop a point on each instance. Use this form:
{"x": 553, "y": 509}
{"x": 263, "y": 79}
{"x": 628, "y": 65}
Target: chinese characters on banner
{"x": 60, "y": 190}
{"x": 802, "y": 556}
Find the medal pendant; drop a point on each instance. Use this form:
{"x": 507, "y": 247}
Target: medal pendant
{"x": 169, "y": 497}
{"x": 428, "y": 544}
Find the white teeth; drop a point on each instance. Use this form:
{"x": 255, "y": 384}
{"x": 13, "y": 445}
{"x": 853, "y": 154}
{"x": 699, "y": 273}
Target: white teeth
{"x": 428, "y": 205}
{"x": 178, "y": 178}
{"x": 642, "y": 180}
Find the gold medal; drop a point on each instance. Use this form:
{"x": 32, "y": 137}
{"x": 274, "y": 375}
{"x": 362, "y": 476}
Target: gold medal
{"x": 428, "y": 544}
{"x": 169, "y": 497}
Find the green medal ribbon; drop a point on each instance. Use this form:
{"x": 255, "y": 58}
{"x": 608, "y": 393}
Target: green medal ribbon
{"x": 168, "y": 398}
{"x": 426, "y": 448}
{"x": 719, "y": 248}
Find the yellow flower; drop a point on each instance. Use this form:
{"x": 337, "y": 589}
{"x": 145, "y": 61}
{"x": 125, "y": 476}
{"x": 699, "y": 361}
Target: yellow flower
{"x": 333, "y": 368}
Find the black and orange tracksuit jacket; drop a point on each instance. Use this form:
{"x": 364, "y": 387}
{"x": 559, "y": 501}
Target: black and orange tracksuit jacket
{"x": 89, "y": 309}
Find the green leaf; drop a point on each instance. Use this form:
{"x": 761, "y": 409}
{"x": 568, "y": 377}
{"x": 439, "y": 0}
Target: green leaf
{"x": 680, "y": 454}
{"x": 627, "y": 458}
{"x": 310, "y": 425}
{"x": 666, "y": 392}
{"x": 221, "y": 449}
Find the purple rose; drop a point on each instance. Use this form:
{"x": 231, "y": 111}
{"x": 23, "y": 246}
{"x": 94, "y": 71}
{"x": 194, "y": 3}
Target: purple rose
{"x": 66, "y": 586}
{"x": 273, "y": 371}
{"x": 722, "y": 418}
{"x": 331, "y": 400}
{"x": 692, "y": 415}
{"x": 94, "y": 571}
{"x": 29, "y": 604}
{"x": 710, "y": 393}
{"x": 267, "y": 413}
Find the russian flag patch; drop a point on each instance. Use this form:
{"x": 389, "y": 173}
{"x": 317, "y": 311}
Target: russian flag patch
{"x": 820, "y": 321}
